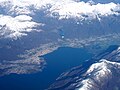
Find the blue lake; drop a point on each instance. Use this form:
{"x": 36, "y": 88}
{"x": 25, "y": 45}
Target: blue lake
{"x": 58, "y": 62}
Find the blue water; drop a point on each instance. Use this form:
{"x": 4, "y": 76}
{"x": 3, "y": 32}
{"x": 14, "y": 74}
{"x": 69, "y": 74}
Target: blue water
{"x": 58, "y": 62}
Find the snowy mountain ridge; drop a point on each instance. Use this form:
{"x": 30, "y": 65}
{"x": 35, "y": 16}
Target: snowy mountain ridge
{"x": 65, "y": 9}
{"x": 99, "y": 72}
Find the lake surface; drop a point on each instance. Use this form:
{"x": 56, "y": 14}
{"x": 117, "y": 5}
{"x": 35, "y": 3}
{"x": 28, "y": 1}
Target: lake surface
{"x": 58, "y": 62}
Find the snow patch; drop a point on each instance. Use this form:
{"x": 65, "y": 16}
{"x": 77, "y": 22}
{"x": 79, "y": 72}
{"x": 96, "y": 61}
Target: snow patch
{"x": 16, "y": 15}
{"x": 83, "y": 10}
{"x": 13, "y": 27}
{"x": 64, "y": 9}
{"x": 98, "y": 71}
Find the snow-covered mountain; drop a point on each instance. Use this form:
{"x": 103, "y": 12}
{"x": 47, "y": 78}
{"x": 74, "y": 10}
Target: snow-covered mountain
{"x": 102, "y": 1}
{"x": 82, "y": 22}
{"x": 18, "y": 17}
{"x": 101, "y": 76}
{"x": 100, "y": 73}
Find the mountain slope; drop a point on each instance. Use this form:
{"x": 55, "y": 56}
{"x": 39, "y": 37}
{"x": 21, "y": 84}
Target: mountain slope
{"x": 102, "y": 72}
